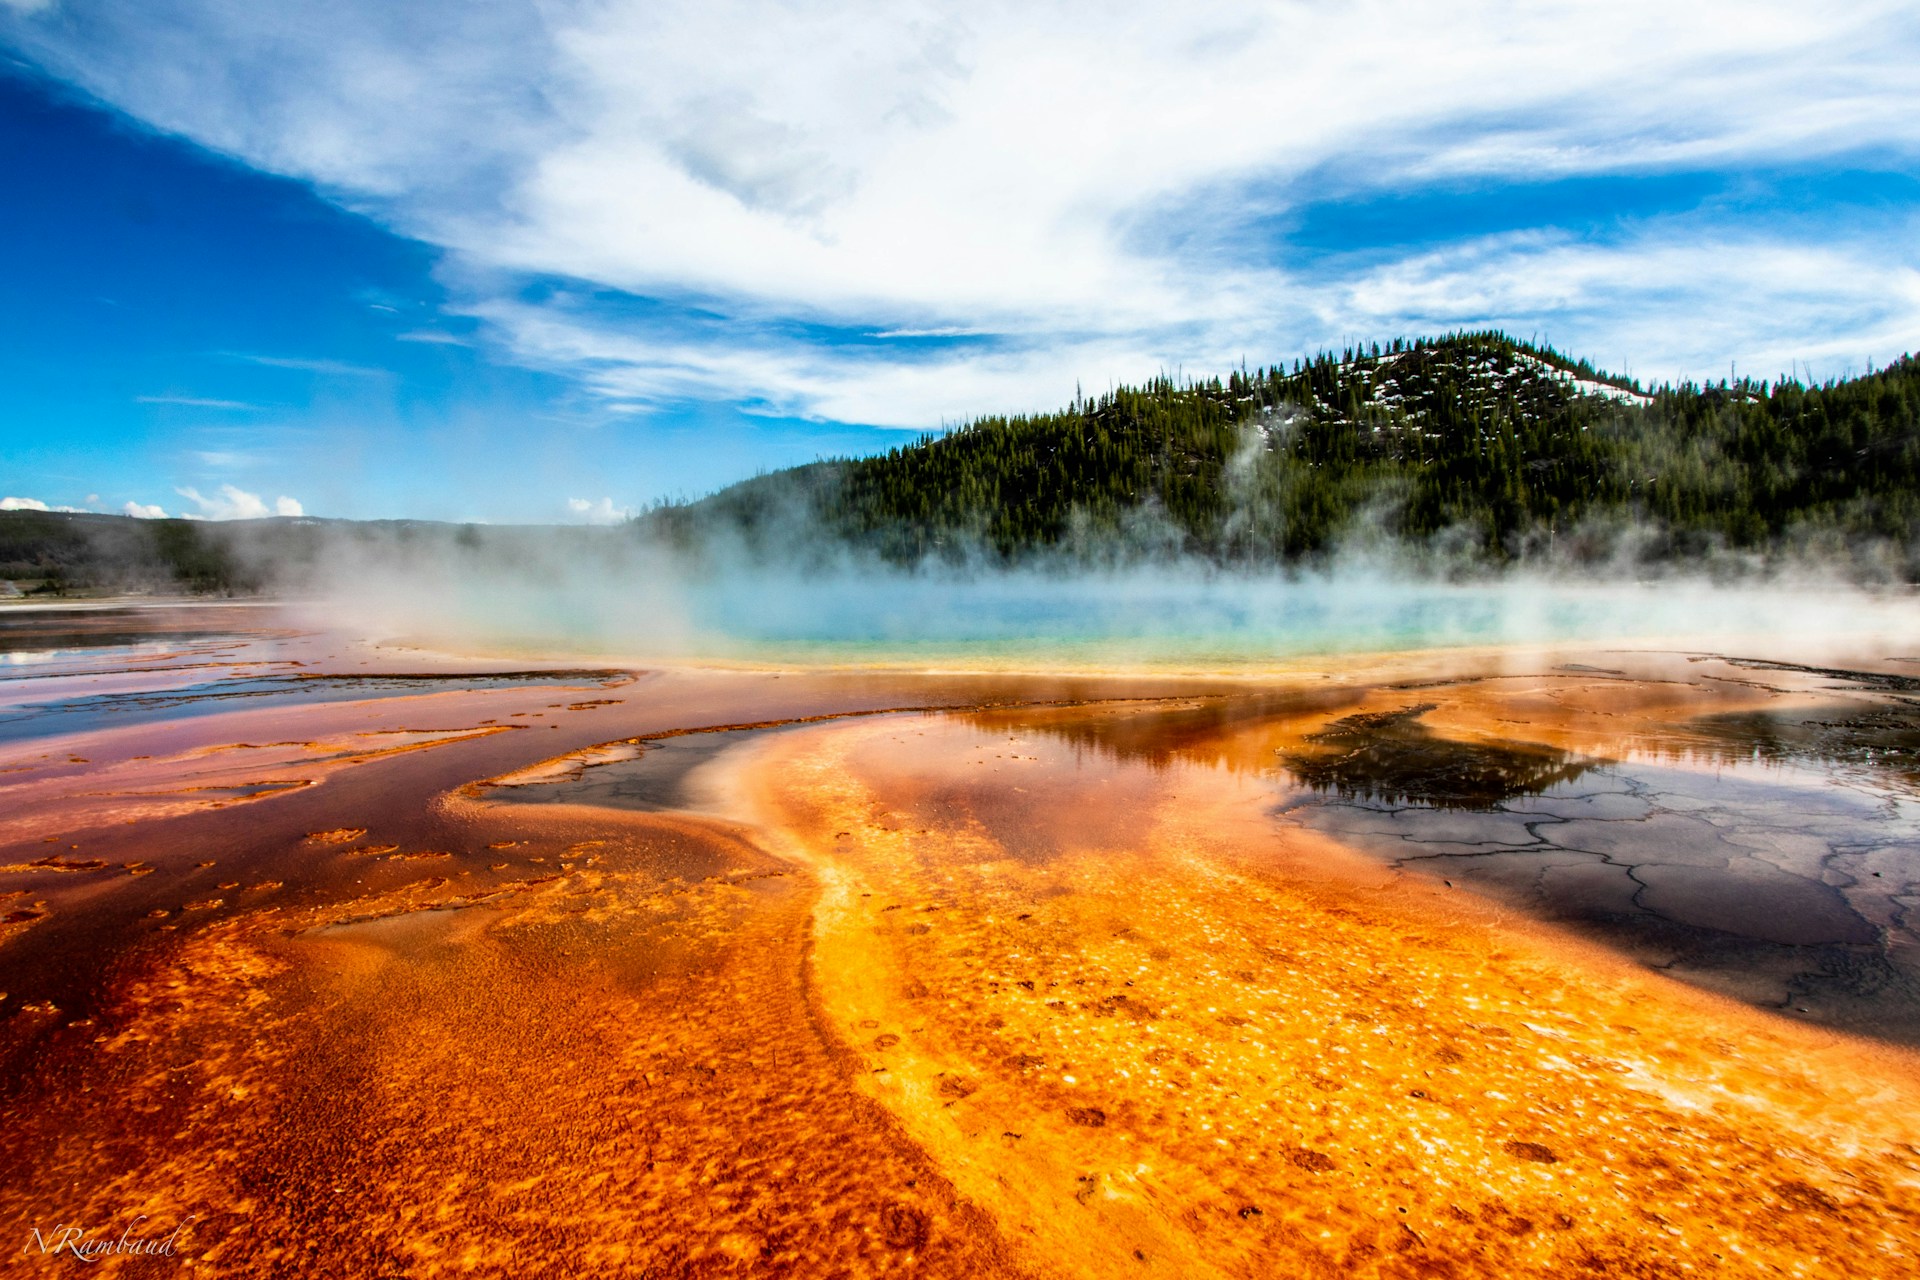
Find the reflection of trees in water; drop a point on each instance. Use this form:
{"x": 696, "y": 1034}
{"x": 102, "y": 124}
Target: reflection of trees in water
{"x": 1387, "y": 756}
{"x": 1873, "y": 723}
{"x": 1390, "y": 757}
{"x": 1235, "y": 732}
{"x": 1884, "y": 739}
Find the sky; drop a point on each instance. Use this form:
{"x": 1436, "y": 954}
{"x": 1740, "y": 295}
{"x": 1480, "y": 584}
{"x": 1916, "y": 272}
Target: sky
{"x": 548, "y": 260}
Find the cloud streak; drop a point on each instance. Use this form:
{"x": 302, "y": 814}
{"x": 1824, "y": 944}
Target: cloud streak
{"x": 1096, "y": 191}
{"x": 195, "y": 402}
{"x": 304, "y": 364}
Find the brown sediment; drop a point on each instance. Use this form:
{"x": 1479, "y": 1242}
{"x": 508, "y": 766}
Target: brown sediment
{"x": 382, "y": 1024}
{"x": 577, "y": 1039}
{"x": 615, "y": 1068}
{"x": 54, "y": 862}
{"x": 163, "y": 784}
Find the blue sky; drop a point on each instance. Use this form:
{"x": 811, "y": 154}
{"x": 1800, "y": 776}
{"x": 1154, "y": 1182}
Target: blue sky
{"x": 176, "y": 320}
{"x": 507, "y": 261}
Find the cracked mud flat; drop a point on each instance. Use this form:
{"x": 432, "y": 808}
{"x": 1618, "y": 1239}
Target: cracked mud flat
{"x": 855, "y": 974}
{"x": 1771, "y": 854}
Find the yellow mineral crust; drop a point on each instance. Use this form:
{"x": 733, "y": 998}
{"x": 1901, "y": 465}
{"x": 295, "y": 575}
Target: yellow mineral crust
{"x": 1144, "y": 1025}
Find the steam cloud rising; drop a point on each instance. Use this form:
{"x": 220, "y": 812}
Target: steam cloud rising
{"x": 621, "y": 593}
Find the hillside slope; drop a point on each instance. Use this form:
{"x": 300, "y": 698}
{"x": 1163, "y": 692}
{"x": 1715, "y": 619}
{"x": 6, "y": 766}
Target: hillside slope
{"x": 1492, "y": 446}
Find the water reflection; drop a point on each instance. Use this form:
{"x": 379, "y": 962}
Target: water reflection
{"x": 24, "y": 720}
{"x": 1234, "y": 731}
{"x": 1390, "y": 757}
{"x": 1771, "y": 853}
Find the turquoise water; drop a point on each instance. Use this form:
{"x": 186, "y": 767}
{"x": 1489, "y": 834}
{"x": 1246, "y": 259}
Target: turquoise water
{"x": 1180, "y": 618}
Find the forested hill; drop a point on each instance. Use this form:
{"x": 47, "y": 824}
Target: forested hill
{"x": 1493, "y": 448}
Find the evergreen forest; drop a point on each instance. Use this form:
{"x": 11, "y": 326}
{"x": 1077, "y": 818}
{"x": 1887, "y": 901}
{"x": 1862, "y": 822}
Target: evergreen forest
{"x": 1490, "y": 448}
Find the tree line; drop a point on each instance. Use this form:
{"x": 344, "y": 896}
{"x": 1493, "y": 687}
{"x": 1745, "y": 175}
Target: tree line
{"x": 1499, "y": 448}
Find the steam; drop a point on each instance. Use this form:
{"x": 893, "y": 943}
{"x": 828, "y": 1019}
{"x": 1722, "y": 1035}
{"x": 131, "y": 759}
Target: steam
{"x": 623, "y": 593}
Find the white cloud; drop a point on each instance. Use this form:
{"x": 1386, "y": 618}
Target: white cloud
{"x": 29, "y": 6}
{"x": 1084, "y": 181}
{"x": 601, "y": 512}
{"x": 794, "y": 377}
{"x": 1777, "y": 304}
{"x": 149, "y": 511}
{"x": 234, "y": 503}
{"x": 34, "y": 504}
